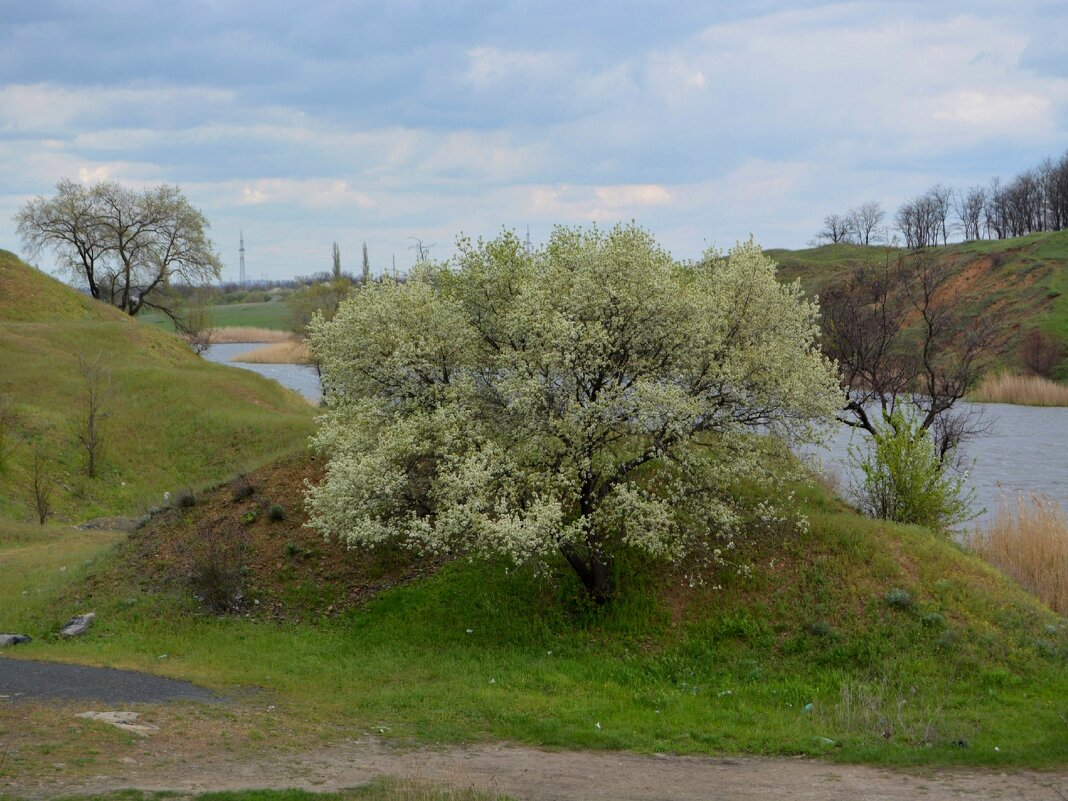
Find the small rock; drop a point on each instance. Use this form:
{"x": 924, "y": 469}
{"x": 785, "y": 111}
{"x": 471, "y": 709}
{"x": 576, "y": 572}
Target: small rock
{"x": 127, "y": 721}
{"x": 78, "y": 624}
{"x": 14, "y": 639}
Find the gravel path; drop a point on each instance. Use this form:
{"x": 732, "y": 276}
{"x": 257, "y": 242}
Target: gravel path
{"x": 21, "y": 678}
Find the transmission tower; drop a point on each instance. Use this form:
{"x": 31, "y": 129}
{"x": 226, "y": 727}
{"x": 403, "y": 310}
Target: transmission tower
{"x": 241, "y": 250}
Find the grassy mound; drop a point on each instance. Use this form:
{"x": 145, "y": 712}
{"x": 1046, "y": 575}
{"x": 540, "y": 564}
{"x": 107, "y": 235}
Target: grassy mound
{"x": 855, "y": 640}
{"x": 1020, "y": 284}
{"x": 173, "y": 420}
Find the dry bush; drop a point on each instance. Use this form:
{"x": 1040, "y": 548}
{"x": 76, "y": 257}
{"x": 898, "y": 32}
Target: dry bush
{"x": 1041, "y": 352}
{"x": 1031, "y": 390}
{"x": 244, "y": 333}
{"x": 1028, "y": 540}
{"x": 293, "y": 352}
{"x": 217, "y": 570}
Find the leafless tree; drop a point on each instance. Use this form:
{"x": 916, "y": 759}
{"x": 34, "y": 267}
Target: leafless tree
{"x": 939, "y": 201}
{"x": 900, "y": 336}
{"x": 127, "y": 246}
{"x": 422, "y": 251}
{"x": 89, "y": 421}
{"x": 836, "y": 229}
{"x": 968, "y": 206}
{"x": 918, "y": 222}
{"x": 1040, "y": 352}
{"x": 864, "y": 222}
{"x": 40, "y": 486}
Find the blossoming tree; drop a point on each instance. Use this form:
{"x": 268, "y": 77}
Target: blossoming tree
{"x": 586, "y": 397}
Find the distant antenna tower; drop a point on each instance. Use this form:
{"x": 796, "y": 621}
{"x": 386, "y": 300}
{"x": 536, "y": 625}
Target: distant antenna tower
{"x": 241, "y": 250}
{"x": 527, "y": 242}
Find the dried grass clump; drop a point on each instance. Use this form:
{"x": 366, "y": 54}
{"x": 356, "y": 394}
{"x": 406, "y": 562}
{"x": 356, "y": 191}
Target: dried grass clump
{"x": 279, "y": 353}
{"x": 244, "y": 333}
{"x": 1028, "y": 390}
{"x": 1028, "y": 541}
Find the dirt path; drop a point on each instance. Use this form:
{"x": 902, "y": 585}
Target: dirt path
{"x": 533, "y": 775}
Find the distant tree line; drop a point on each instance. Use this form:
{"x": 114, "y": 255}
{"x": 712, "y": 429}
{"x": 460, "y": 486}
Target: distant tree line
{"x": 1035, "y": 200}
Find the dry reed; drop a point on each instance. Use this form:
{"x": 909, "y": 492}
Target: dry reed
{"x": 1028, "y": 540}
{"x": 1028, "y": 390}
{"x": 244, "y": 333}
{"x": 291, "y": 352}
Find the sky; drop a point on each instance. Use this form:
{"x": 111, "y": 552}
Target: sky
{"x": 386, "y": 122}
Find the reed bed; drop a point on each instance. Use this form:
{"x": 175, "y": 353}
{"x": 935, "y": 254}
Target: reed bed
{"x": 291, "y": 352}
{"x": 244, "y": 333}
{"x": 1027, "y": 390}
{"x": 1028, "y": 540}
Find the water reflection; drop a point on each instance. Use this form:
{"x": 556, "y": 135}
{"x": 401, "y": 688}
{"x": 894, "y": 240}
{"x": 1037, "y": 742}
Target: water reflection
{"x": 1025, "y": 450}
{"x": 300, "y": 377}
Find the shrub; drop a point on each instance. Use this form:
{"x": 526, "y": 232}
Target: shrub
{"x": 905, "y": 481}
{"x": 186, "y": 499}
{"x": 277, "y": 513}
{"x": 217, "y": 571}
{"x": 242, "y": 487}
{"x": 1041, "y": 352}
{"x": 897, "y": 597}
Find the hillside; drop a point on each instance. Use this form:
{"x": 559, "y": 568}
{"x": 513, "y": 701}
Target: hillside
{"x": 172, "y": 420}
{"x": 854, "y": 639}
{"x": 1021, "y": 284}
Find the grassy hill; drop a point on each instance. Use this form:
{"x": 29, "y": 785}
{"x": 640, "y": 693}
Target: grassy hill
{"x": 854, "y": 640}
{"x": 1020, "y": 283}
{"x": 173, "y": 419}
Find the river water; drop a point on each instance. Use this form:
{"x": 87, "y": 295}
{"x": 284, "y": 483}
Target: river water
{"x": 300, "y": 377}
{"x": 1025, "y": 449}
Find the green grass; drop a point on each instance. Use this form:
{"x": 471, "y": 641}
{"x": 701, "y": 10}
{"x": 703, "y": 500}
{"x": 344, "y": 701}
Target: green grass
{"x": 173, "y": 420}
{"x": 36, "y": 563}
{"x": 271, "y": 314}
{"x": 805, "y": 657}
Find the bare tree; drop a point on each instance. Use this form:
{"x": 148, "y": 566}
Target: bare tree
{"x": 1040, "y": 352}
{"x": 939, "y": 202}
{"x": 127, "y": 246}
{"x": 193, "y": 318}
{"x": 40, "y": 486}
{"x": 899, "y": 336}
{"x": 864, "y": 222}
{"x": 969, "y": 206}
{"x": 422, "y": 251}
{"x": 88, "y": 424}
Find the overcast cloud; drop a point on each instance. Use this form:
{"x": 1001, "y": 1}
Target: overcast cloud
{"x": 378, "y": 122}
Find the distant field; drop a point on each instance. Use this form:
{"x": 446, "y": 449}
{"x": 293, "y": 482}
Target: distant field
{"x": 274, "y": 315}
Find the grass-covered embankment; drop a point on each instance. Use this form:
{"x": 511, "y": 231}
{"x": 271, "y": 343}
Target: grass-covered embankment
{"x": 169, "y": 418}
{"x": 856, "y": 640}
{"x": 1019, "y": 285}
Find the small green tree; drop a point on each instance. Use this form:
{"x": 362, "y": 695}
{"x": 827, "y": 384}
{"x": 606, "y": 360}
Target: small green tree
{"x": 591, "y": 396}
{"x": 365, "y": 275}
{"x": 335, "y": 267}
{"x": 904, "y": 478}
